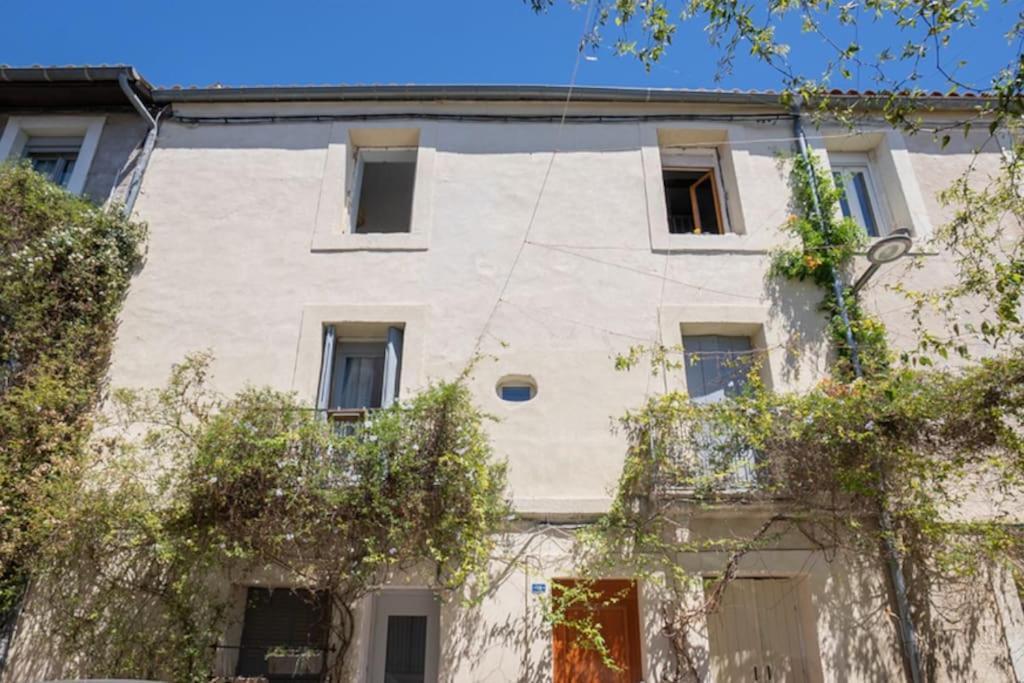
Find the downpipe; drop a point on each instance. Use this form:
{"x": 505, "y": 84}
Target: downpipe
{"x": 147, "y": 147}
{"x": 893, "y": 558}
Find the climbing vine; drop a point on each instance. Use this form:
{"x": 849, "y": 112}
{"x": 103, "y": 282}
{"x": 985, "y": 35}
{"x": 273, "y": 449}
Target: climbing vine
{"x": 187, "y": 490}
{"x": 65, "y": 265}
{"x": 826, "y": 243}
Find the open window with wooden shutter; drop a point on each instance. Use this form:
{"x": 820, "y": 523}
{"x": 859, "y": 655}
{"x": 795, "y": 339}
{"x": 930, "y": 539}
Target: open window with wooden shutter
{"x": 693, "y": 192}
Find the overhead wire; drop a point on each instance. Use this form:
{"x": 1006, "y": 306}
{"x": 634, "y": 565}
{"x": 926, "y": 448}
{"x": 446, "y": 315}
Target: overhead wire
{"x": 544, "y": 181}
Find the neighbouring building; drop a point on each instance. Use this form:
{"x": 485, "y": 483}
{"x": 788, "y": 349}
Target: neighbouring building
{"x": 373, "y": 234}
{"x": 86, "y": 128}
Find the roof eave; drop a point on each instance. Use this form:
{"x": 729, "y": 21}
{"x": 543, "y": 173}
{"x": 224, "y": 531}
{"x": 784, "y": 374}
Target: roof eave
{"x": 522, "y": 93}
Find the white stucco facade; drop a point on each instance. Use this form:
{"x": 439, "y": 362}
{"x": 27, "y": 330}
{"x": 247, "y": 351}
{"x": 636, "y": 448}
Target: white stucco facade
{"x": 543, "y": 247}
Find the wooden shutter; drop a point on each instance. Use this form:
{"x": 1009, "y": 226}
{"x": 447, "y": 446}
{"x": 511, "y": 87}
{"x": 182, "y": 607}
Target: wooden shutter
{"x": 757, "y": 634}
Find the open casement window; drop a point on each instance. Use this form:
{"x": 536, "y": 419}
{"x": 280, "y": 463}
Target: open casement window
{"x": 717, "y": 367}
{"x": 380, "y": 197}
{"x": 284, "y": 635}
{"x": 760, "y": 633}
{"x": 693, "y": 193}
{"x": 861, "y": 198}
{"x": 406, "y": 637}
{"x": 358, "y": 375}
{"x": 54, "y": 157}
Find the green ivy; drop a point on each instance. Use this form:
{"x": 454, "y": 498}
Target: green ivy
{"x": 65, "y": 265}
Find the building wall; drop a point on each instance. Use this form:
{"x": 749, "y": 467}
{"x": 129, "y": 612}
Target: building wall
{"x": 237, "y": 264}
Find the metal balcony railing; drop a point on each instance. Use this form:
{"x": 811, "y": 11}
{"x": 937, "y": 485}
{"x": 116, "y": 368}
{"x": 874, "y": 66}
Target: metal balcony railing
{"x": 710, "y": 460}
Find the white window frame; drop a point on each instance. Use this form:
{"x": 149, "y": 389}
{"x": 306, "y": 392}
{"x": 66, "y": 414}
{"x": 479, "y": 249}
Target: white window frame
{"x": 20, "y": 129}
{"x": 398, "y": 602}
{"x": 697, "y": 159}
{"x": 845, "y": 163}
{"x": 377, "y": 155}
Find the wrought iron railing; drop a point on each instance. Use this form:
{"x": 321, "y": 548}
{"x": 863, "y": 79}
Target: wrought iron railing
{"x": 709, "y": 459}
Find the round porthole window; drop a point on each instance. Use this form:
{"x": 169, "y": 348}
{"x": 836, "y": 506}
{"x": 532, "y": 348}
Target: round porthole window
{"x": 516, "y": 388}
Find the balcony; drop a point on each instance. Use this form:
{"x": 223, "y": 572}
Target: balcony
{"x": 710, "y": 461}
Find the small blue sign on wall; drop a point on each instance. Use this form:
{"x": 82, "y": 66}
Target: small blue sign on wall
{"x": 538, "y": 588}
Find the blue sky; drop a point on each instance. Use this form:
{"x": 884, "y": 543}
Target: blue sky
{"x": 190, "y": 42}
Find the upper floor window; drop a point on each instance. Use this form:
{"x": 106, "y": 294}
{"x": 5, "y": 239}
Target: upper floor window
{"x": 717, "y": 366}
{"x": 60, "y": 147}
{"x": 53, "y": 157}
{"x": 693, "y": 192}
{"x": 382, "y": 188}
{"x": 362, "y": 371}
{"x": 860, "y": 198}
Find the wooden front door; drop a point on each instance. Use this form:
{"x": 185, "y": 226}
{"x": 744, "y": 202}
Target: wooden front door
{"x": 620, "y": 627}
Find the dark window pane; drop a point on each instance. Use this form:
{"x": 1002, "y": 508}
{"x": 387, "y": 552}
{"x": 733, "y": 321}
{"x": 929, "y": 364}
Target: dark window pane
{"x": 406, "y": 656}
{"x": 514, "y": 393}
{"x": 690, "y": 200}
{"x": 57, "y": 166}
{"x": 385, "y": 197}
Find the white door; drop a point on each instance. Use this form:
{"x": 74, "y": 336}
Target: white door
{"x": 406, "y": 637}
{"x": 758, "y": 634}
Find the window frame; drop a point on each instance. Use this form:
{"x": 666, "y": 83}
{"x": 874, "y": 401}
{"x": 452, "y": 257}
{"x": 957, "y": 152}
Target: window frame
{"x": 332, "y": 362}
{"x": 847, "y": 163}
{"x": 752, "y": 351}
{"x": 19, "y": 130}
{"x": 333, "y": 224}
{"x": 362, "y": 155}
{"x": 62, "y": 157}
{"x": 351, "y": 321}
{"x": 697, "y": 159}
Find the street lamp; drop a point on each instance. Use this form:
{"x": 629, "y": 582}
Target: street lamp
{"x": 886, "y": 250}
